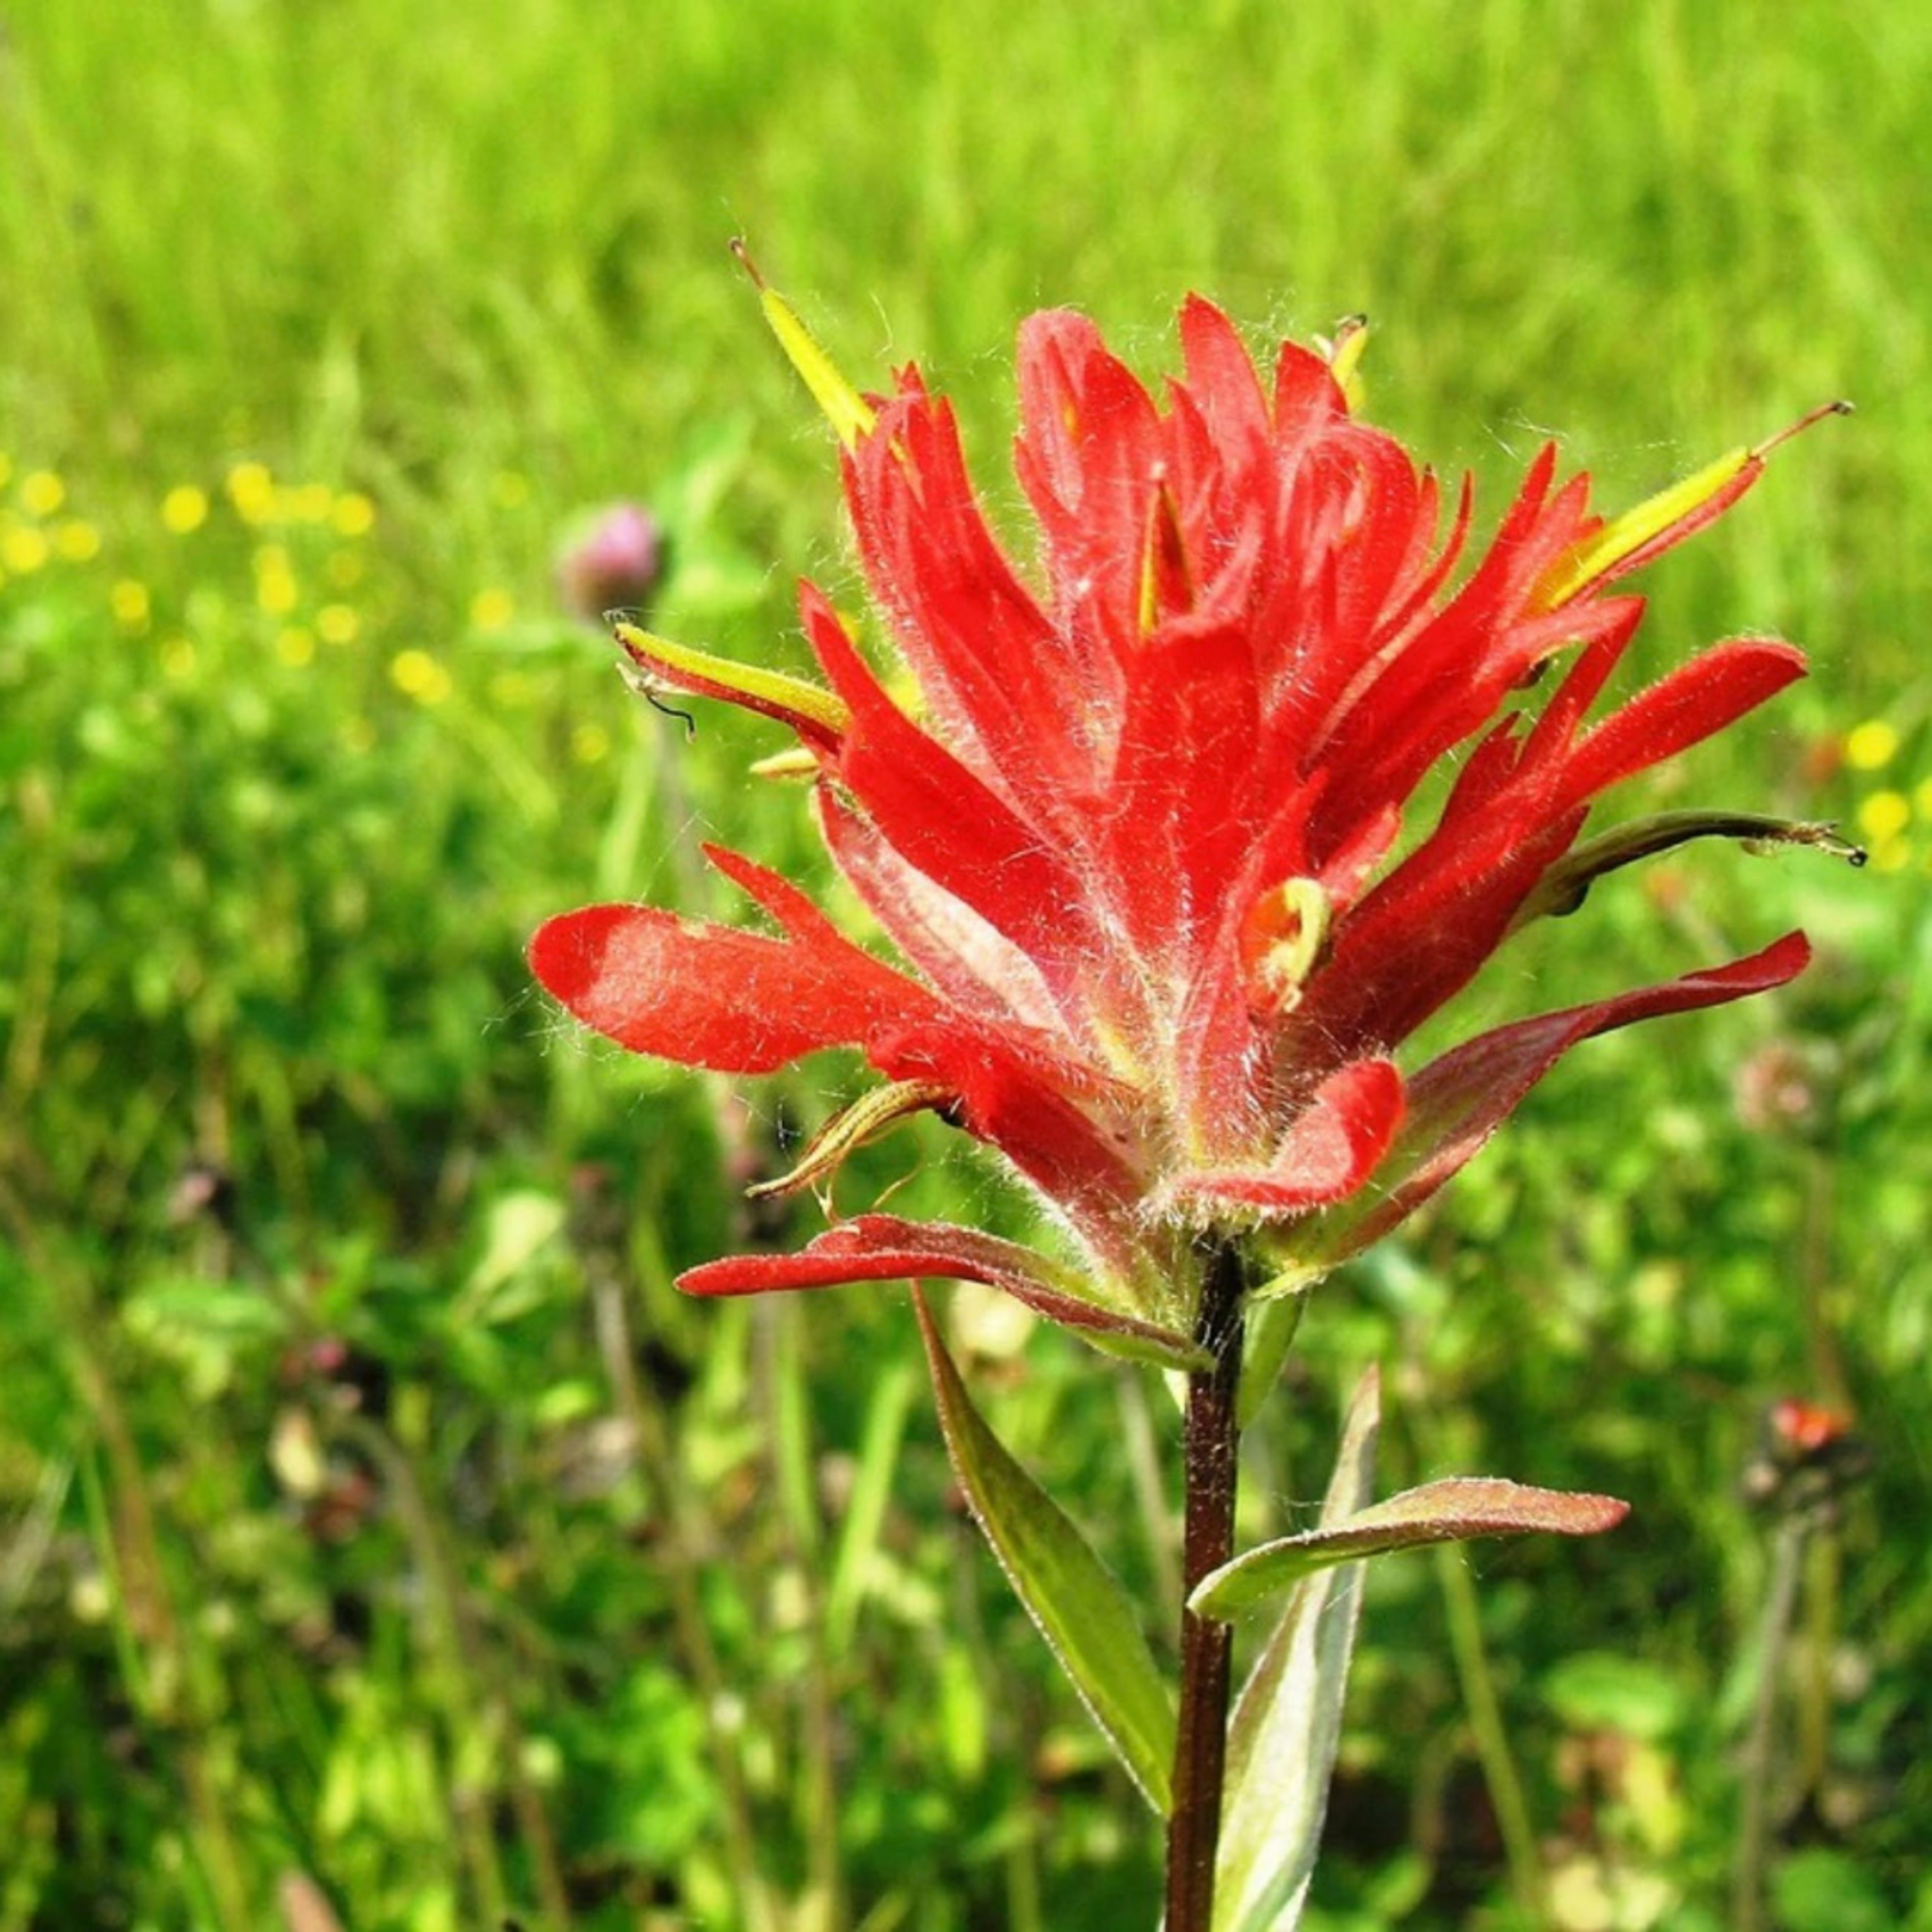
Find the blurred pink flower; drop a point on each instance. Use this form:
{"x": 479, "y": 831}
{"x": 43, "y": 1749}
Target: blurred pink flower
{"x": 614, "y": 564}
{"x": 1776, "y": 1087}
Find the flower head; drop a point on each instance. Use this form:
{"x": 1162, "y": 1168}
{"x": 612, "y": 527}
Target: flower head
{"x": 612, "y": 564}
{"x": 1138, "y": 845}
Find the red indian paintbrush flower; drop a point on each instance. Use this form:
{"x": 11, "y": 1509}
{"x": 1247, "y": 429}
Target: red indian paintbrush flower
{"x": 1137, "y": 842}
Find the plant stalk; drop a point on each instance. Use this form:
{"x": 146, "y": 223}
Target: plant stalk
{"x": 1211, "y": 1439}
{"x": 1759, "y": 1767}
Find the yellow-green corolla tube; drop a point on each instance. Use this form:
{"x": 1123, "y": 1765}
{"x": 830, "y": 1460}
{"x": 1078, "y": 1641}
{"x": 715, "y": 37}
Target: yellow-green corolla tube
{"x": 866, "y": 1119}
{"x": 848, "y": 412}
{"x": 1600, "y": 552}
{"x": 811, "y": 710}
{"x": 1345, "y": 349}
{"x": 1671, "y": 514}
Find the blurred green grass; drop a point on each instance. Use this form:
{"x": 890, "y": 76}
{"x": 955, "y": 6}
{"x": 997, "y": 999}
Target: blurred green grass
{"x": 387, "y": 1519}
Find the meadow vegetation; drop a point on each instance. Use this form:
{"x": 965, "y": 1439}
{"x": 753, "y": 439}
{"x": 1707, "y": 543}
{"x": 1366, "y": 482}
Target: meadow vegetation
{"x": 374, "y": 1519}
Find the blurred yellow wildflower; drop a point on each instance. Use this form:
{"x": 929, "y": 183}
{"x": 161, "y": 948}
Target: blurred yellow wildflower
{"x": 90, "y": 1598}
{"x": 252, "y": 491}
{"x": 22, "y": 548}
{"x": 338, "y": 623}
{"x": 76, "y": 541}
{"x": 128, "y": 601}
{"x": 177, "y": 657}
{"x": 491, "y": 610}
{"x": 295, "y": 644}
{"x": 1871, "y": 744}
{"x": 1884, "y": 815}
{"x": 1890, "y": 855}
{"x": 42, "y": 493}
{"x": 274, "y": 586}
{"x": 354, "y": 514}
{"x": 418, "y": 675}
{"x": 184, "y": 508}
{"x": 310, "y": 503}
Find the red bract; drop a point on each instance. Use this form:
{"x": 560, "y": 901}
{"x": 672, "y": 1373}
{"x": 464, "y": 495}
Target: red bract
{"x": 1135, "y": 844}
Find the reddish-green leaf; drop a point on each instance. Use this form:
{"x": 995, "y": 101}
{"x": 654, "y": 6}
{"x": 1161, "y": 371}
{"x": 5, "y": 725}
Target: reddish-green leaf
{"x": 1287, "y": 1726}
{"x": 1451, "y": 1510}
{"x": 1084, "y": 1615}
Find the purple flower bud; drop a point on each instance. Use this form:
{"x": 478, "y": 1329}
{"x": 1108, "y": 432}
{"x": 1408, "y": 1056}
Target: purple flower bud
{"x": 614, "y": 565}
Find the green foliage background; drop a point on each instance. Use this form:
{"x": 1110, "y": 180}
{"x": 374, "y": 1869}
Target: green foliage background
{"x": 388, "y": 1521}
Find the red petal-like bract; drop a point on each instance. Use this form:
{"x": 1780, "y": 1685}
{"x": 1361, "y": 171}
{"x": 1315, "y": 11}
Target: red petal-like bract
{"x": 1134, "y": 840}
{"x": 881, "y": 1247}
{"x": 1456, "y": 1102}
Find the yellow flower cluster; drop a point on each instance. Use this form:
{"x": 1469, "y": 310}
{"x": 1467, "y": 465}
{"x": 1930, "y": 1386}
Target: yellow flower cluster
{"x": 261, "y": 502}
{"x": 37, "y": 530}
{"x": 302, "y": 570}
{"x": 419, "y": 676}
{"x": 33, "y": 531}
{"x": 1886, "y": 816}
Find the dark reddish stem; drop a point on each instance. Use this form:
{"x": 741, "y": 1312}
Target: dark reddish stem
{"x": 1193, "y": 1829}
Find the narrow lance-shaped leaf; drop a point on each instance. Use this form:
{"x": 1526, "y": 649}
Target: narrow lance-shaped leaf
{"x": 1085, "y": 1616}
{"x": 1453, "y": 1510}
{"x": 1287, "y": 1725}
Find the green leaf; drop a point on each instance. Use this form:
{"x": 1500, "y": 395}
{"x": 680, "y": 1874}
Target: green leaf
{"x": 1452, "y": 1511}
{"x": 1084, "y": 1615}
{"x": 519, "y": 1226}
{"x": 1287, "y": 1727}
{"x": 1826, "y": 1891}
{"x": 1597, "y": 1690}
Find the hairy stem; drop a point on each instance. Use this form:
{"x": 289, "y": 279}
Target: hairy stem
{"x": 1207, "y": 1648}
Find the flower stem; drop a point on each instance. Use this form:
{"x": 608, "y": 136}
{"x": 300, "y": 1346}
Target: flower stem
{"x": 1207, "y": 1648}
